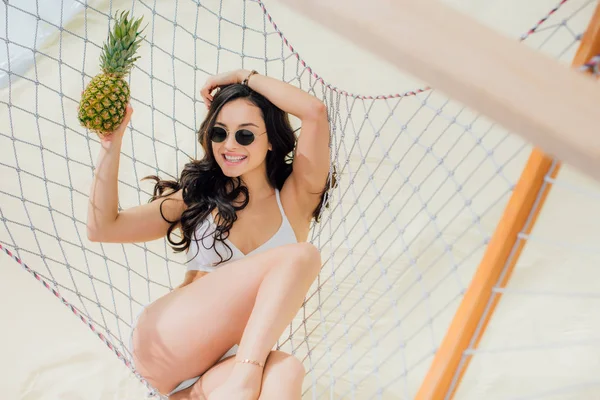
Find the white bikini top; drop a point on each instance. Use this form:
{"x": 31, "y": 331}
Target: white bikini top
{"x": 202, "y": 256}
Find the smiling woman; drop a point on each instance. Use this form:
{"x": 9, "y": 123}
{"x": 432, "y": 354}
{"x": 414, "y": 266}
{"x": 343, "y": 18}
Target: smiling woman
{"x": 244, "y": 178}
{"x": 423, "y": 184}
{"x": 243, "y": 144}
{"x": 243, "y": 137}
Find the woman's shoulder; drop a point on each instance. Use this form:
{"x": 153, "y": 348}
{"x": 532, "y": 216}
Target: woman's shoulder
{"x": 172, "y": 206}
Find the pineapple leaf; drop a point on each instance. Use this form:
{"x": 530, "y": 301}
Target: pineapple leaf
{"x": 122, "y": 43}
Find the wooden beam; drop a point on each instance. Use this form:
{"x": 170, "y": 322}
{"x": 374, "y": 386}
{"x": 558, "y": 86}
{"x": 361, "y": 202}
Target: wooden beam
{"x": 438, "y": 381}
{"x": 547, "y": 103}
{"x": 556, "y": 108}
{"x": 501, "y": 255}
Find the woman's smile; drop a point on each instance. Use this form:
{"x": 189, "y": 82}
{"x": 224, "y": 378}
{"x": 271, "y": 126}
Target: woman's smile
{"x": 233, "y": 159}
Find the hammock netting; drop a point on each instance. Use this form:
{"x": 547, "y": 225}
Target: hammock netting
{"x": 422, "y": 181}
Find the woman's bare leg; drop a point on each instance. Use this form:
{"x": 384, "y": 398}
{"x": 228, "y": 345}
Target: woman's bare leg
{"x": 282, "y": 379}
{"x": 185, "y": 333}
{"x": 279, "y": 297}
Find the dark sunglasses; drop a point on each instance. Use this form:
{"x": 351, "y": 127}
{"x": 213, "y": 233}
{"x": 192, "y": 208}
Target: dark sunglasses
{"x": 244, "y": 137}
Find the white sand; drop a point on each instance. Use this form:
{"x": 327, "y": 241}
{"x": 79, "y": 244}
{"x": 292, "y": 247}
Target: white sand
{"x": 46, "y": 353}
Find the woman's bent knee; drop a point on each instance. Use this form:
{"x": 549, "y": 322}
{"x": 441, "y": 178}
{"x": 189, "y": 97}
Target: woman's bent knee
{"x": 285, "y": 366}
{"x": 307, "y": 254}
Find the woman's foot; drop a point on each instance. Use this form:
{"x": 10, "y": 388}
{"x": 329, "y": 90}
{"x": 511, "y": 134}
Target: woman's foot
{"x": 244, "y": 383}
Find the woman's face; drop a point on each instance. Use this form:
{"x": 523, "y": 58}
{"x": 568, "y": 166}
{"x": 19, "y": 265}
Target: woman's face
{"x": 234, "y": 158}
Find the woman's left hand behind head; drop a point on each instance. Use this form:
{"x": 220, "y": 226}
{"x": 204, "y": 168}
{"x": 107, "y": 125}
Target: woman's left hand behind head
{"x": 215, "y": 81}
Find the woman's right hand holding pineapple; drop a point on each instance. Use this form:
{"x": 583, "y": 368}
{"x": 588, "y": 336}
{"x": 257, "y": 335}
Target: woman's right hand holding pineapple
{"x": 105, "y": 110}
{"x": 117, "y": 133}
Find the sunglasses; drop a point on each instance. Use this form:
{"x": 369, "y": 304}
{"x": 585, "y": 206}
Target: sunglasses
{"x": 244, "y": 137}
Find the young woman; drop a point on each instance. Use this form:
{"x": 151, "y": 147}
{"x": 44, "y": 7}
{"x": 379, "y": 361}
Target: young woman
{"x": 243, "y": 211}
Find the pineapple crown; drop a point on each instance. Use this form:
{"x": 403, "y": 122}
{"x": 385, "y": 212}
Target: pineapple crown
{"x": 118, "y": 52}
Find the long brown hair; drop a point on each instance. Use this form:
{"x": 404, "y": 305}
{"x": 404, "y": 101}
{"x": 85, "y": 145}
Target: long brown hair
{"x": 205, "y": 187}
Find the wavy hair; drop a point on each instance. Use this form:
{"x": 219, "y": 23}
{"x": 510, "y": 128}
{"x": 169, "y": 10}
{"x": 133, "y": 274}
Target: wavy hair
{"x": 205, "y": 187}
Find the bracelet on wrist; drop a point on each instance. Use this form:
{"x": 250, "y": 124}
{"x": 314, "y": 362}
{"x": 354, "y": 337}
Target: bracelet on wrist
{"x": 245, "y": 81}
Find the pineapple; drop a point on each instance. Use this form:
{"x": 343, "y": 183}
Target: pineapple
{"x": 104, "y": 100}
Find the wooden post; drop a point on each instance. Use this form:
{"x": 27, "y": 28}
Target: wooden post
{"x": 438, "y": 381}
{"x": 547, "y": 103}
{"x": 528, "y": 93}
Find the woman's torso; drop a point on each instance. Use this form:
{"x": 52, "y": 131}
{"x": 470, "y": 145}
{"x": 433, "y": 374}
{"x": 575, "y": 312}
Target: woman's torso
{"x": 257, "y": 229}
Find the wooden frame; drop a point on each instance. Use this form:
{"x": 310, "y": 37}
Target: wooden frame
{"x": 501, "y": 255}
{"x": 556, "y": 108}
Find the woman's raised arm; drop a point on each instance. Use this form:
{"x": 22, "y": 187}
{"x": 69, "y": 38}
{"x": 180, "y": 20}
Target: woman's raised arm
{"x": 137, "y": 224}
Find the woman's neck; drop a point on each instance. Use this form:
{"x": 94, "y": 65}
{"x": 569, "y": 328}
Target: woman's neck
{"x": 258, "y": 185}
